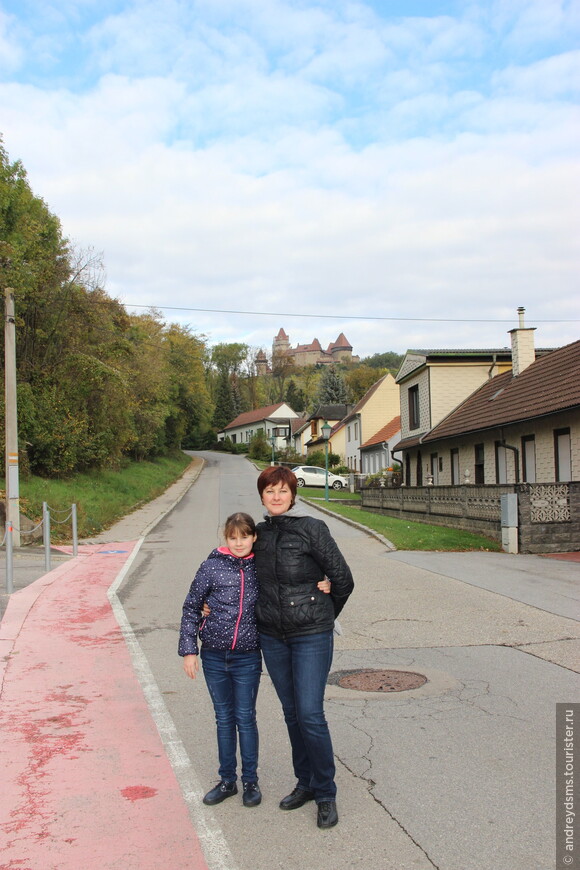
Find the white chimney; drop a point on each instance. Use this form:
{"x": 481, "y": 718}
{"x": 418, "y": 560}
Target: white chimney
{"x": 523, "y": 349}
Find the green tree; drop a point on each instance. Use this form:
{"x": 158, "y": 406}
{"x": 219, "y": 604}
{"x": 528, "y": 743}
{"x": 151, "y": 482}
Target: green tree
{"x": 224, "y": 406}
{"x": 332, "y": 388}
{"x": 361, "y": 379}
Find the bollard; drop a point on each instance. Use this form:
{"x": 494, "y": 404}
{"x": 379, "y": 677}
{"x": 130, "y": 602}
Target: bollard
{"x": 46, "y": 535}
{"x": 74, "y": 530}
{"x": 9, "y": 560}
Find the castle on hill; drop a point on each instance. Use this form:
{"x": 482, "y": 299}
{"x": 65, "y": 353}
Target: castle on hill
{"x": 307, "y": 354}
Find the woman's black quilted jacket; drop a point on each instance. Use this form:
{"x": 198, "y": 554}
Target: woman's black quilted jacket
{"x": 292, "y": 554}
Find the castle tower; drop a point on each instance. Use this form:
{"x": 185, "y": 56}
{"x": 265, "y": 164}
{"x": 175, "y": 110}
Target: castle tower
{"x": 281, "y": 344}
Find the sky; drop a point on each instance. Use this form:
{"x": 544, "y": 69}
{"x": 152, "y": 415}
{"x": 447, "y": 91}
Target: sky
{"x": 403, "y": 171}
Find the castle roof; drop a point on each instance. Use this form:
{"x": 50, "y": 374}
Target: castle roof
{"x": 341, "y": 342}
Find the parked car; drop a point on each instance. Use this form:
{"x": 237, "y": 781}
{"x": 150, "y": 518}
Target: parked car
{"x": 310, "y": 475}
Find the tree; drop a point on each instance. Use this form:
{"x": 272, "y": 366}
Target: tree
{"x": 224, "y": 406}
{"x": 388, "y": 360}
{"x": 295, "y": 397}
{"x": 361, "y": 379}
{"x": 332, "y": 388}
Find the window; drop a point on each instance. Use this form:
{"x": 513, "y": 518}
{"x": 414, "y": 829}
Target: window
{"x": 419, "y": 469}
{"x": 234, "y": 439}
{"x": 414, "y": 407}
{"x": 348, "y": 433}
{"x": 407, "y": 470}
{"x": 280, "y": 432}
{"x": 455, "y": 465}
{"x": 479, "y": 463}
{"x": 500, "y": 463}
{"x": 529, "y": 458}
{"x": 356, "y": 431}
{"x": 562, "y": 454}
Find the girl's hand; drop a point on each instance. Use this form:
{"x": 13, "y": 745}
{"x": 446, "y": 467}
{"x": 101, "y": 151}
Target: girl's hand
{"x": 205, "y": 610}
{"x": 324, "y": 585}
{"x": 191, "y": 666}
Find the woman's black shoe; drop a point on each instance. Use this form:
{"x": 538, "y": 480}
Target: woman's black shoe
{"x": 297, "y": 798}
{"x": 327, "y": 815}
{"x": 222, "y": 791}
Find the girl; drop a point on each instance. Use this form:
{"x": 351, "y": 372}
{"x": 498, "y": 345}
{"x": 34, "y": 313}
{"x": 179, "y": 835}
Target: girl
{"x": 230, "y": 653}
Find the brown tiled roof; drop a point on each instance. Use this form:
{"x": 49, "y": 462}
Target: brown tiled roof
{"x": 253, "y": 416}
{"x": 385, "y": 433}
{"x": 549, "y": 385}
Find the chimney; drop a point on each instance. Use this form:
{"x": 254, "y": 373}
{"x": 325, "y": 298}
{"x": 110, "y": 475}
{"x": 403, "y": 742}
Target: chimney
{"x": 523, "y": 350}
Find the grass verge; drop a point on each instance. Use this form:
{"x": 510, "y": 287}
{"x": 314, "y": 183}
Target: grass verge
{"x": 101, "y": 497}
{"x": 408, "y": 535}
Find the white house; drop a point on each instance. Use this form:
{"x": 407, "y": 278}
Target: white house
{"x": 274, "y": 420}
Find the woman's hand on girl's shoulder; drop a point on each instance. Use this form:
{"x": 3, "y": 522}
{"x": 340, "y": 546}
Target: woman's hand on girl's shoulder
{"x": 324, "y": 585}
{"x": 191, "y": 666}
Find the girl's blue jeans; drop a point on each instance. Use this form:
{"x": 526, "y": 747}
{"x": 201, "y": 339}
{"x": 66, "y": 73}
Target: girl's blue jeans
{"x": 233, "y": 678}
{"x": 299, "y": 667}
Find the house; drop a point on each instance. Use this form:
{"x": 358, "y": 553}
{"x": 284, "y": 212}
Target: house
{"x": 274, "y": 420}
{"x": 435, "y": 382}
{"x": 311, "y": 430}
{"x": 379, "y": 404}
{"x": 522, "y": 425}
{"x": 377, "y": 452}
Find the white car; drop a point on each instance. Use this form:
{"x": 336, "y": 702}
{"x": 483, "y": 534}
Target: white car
{"x": 311, "y": 475}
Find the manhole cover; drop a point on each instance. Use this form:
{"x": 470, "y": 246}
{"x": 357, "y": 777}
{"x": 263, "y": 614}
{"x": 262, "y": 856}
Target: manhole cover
{"x": 368, "y": 680}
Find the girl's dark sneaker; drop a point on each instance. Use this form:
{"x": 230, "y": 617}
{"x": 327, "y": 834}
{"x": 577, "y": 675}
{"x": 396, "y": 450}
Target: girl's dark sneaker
{"x": 252, "y": 794}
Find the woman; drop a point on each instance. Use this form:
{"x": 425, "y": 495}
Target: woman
{"x": 295, "y": 620}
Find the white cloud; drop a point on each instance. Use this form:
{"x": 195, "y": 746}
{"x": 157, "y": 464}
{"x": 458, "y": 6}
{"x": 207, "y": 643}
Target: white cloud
{"x": 313, "y": 157}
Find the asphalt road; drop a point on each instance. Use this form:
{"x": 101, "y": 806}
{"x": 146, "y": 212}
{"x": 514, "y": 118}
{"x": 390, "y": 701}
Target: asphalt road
{"x": 457, "y": 775}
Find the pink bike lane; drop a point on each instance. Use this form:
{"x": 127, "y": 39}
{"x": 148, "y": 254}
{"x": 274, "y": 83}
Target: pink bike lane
{"x": 86, "y": 781}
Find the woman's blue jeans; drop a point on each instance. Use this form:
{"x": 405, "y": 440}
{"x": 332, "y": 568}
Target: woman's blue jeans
{"x": 233, "y": 678}
{"x": 299, "y": 667}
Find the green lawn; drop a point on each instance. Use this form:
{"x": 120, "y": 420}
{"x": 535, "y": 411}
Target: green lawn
{"x": 317, "y": 493}
{"x": 408, "y": 535}
{"x": 101, "y": 497}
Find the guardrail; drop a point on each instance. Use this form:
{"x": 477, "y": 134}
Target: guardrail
{"x": 45, "y": 523}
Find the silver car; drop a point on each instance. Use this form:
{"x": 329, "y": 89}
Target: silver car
{"x": 311, "y": 475}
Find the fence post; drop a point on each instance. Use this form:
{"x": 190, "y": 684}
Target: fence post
{"x": 46, "y": 535}
{"x": 74, "y": 530}
{"x": 9, "y": 560}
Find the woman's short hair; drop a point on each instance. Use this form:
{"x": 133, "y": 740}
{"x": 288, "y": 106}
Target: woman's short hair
{"x": 239, "y": 522}
{"x": 276, "y": 474}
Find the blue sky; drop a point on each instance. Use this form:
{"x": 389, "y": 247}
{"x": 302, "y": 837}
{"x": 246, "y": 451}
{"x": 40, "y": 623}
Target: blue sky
{"x": 389, "y": 159}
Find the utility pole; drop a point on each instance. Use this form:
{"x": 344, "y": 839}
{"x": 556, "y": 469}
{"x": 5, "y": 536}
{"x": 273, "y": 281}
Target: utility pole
{"x": 11, "y": 419}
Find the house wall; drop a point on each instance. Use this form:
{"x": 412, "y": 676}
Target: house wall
{"x": 337, "y": 444}
{"x": 381, "y": 407}
{"x": 451, "y": 384}
{"x": 353, "y": 442}
{"x": 422, "y": 380}
{"x": 543, "y": 430}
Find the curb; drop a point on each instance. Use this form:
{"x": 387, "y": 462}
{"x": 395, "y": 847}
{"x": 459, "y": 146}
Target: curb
{"x": 370, "y": 532}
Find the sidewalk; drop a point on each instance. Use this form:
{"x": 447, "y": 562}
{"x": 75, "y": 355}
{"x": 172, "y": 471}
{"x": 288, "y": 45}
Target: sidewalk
{"x": 85, "y": 776}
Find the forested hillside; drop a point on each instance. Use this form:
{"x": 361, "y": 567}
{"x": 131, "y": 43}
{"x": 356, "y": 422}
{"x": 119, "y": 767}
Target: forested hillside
{"x": 96, "y": 383}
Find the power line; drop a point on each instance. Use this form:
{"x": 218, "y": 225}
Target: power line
{"x": 339, "y": 316}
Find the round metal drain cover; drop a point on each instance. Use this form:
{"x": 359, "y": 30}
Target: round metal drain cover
{"x": 368, "y": 680}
